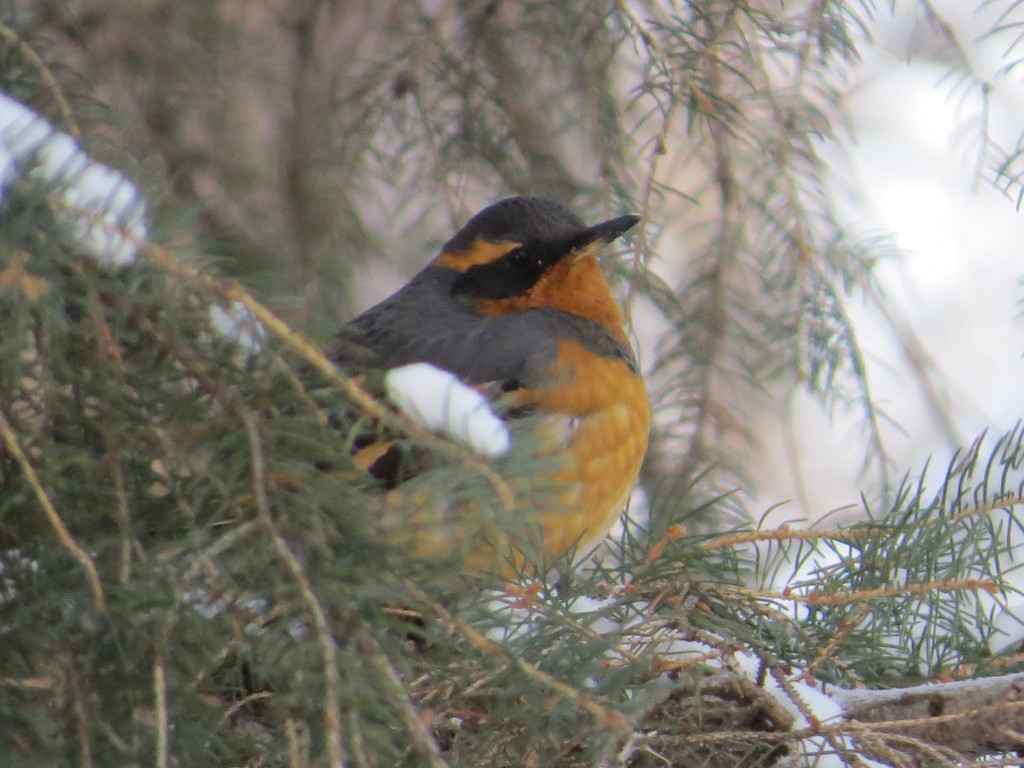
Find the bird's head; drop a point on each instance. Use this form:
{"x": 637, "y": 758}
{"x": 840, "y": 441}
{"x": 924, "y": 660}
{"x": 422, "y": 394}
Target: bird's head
{"x": 524, "y": 252}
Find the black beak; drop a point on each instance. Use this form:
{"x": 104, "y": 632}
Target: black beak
{"x": 604, "y": 232}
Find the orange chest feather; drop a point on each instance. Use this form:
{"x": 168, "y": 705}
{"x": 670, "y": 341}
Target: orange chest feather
{"x": 607, "y": 404}
{"x": 582, "y": 383}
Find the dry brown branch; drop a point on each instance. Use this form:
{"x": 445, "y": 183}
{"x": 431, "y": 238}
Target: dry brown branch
{"x": 12, "y": 38}
{"x": 603, "y": 716}
{"x": 848, "y": 625}
{"x": 820, "y": 598}
{"x": 973, "y": 717}
{"x": 332, "y": 681}
{"x": 785, "y": 533}
{"x": 312, "y": 354}
{"x": 160, "y": 711}
{"x": 10, "y": 439}
{"x": 421, "y": 739}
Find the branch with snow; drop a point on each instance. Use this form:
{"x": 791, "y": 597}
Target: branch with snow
{"x": 970, "y": 717}
{"x": 437, "y": 400}
{"x": 747, "y": 702}
{"x": 103, "y": 211}
{"x": 105, "y": 217}
{"x": 833, "y": 727}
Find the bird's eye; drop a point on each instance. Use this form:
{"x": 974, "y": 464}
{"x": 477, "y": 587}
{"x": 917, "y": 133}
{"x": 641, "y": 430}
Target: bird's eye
{"x": 518, "y": 258}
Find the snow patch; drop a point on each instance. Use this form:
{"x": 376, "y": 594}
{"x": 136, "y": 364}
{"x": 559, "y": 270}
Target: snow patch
{"x": 437, "y": 400}
{"x": 102, "y": 209}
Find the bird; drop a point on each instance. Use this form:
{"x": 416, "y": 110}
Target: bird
{"x": 516, "y": 304}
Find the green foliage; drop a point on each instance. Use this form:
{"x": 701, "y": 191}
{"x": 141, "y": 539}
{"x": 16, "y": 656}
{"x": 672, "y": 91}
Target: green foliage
{"x": 194, "y": 571}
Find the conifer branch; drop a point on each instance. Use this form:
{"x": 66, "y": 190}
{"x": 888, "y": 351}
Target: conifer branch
{"x": 331, "y": 679}
{"x": 818, "y": 598}
{"x": 160, "y": 712}
{"x": 10, "y": 438}
{"x": 313, "y": 355}
{"x": 46, "y": 76}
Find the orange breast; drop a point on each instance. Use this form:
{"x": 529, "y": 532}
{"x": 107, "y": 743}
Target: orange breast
{"x": 608, "y": 405}
{"x": 595, "y": 428}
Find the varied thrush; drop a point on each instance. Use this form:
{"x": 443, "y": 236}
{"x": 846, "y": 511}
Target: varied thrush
{"x": 516, "y": 302}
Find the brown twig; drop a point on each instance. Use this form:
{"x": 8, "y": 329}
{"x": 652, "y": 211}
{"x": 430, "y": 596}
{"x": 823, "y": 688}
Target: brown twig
{"x": 785, "y": 533}
{"x": 26, "y": 52}
{"x": 419, "y": 735}
{"x": 124, "y": 519}
{"x": 314, "y": 356}
{"x": 820, "y": 598}
{"x": 604, "y": 717}
{"x": 845, "y": 627}
{"x": 332, "y": 680}
{"x": 78, "y": 705}
{"x": 10, "y": 439}
{"x": 298, "y": 745}
{"x": 849, "y": 535}
{"x": 160, "y": 711}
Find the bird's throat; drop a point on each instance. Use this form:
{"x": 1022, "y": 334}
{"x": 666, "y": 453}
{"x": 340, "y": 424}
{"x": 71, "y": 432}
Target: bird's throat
{"x": 574, "y": 285}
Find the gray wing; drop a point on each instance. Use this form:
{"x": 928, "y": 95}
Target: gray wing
{"x": 507, "y": 348}
{"x": 516, "y": 348}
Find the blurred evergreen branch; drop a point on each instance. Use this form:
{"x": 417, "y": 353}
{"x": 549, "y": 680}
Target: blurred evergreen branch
{"x": 194, "y": 572}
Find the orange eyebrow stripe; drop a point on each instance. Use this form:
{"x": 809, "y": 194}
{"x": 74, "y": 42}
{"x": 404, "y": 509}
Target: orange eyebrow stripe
{"x": 481, "y": 252}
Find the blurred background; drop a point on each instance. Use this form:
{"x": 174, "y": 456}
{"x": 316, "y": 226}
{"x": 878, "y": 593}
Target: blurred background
{"x": 826, "y": 289}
